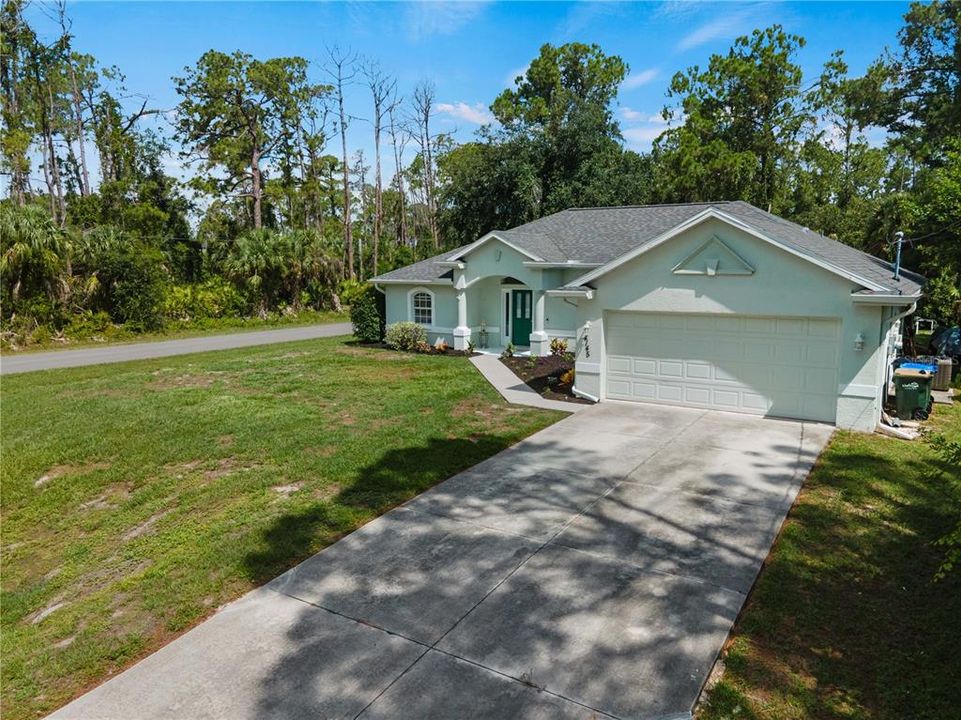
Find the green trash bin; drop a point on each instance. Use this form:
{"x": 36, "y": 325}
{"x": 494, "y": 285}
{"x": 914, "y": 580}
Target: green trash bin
{"x": 912, "y": 394}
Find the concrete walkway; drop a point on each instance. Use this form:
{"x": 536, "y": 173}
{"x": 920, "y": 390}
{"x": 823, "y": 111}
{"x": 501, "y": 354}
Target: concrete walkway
{"x": 28, "y": 362}
{"x": 516, "y": 391}
{"x": 592, "y": 570}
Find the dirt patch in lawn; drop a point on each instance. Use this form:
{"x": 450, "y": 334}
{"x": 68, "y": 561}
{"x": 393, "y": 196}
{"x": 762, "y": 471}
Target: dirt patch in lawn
{"x": 145, "y": 527}
{"x": 550, "y": 376}
{"x": 58, "y": 471}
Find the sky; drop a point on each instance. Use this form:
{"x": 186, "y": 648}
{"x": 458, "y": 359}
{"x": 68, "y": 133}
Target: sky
{"x": 470, "y": 50}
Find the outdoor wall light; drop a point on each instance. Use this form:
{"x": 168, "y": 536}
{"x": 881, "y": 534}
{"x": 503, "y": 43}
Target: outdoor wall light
{"x": 859, "y": 342}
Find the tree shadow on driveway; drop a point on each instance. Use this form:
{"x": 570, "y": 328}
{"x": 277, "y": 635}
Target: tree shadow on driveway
{"x": 520, "y": 621}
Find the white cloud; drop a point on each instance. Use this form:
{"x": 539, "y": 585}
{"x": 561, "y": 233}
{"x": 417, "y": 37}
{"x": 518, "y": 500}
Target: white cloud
{"x": 636, "y": 80}
{"x": 427, "y": 19}
{"x": 676, "y": 9}
{"x": 477, "y": 113}
{"x": 642, "y": 136}
{"x": 725, "y": 27}
{"x": 636, "y": 116}
{"x": 643, "y": 128}
{"x": 514, "y": 74}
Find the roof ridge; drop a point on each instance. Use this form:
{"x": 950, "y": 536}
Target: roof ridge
{"x": 649, "y": 205}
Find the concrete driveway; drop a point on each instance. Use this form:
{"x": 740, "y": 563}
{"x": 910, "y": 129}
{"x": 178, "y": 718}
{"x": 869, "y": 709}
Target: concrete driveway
{"x": 121, "y": 352}
{"x": 593, "y": 570}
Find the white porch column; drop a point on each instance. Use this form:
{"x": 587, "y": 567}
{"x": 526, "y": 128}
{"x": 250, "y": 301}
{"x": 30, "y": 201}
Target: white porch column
{"x": 540, "y": 344}
{"x": 462, "y": 331}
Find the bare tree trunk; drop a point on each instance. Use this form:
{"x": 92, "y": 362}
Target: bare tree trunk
{"x": 398, "y": 139}
{"x": 423, "y": 108}
{"x": 341, "y": 71}
{"x": 85, "y": 185}
{"x": 61, "y": 214}
{"x": 75, "y": 89}
{"x": 362, "y": 178}
{"x": 381, "y": 89}
{"x": 255, "y": 186}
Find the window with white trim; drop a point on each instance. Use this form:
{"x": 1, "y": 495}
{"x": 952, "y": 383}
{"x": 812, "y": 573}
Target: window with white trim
{"x": 423, "y": 308}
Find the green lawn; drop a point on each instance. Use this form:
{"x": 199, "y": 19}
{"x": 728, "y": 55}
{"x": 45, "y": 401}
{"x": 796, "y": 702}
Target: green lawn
{"x": 845, "y": 620}
{"x": 119, "y": 334}
{"x": 137, "y": 498}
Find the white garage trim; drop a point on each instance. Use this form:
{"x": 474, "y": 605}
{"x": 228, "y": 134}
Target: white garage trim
{"x": 778, "y": 366}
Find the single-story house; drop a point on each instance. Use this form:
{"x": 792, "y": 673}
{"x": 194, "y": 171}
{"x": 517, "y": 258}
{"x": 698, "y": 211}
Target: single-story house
{"x": 713, "y": 305}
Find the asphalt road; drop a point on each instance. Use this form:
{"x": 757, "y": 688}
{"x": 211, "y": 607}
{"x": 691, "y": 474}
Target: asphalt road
{"x": 29, "y": 362}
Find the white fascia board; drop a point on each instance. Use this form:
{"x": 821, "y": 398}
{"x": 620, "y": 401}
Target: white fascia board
{"x": 587, "y": 294}
{"x": 450, "y": 263}
{"x": 714, "y": 213}
{"x": 560, "y": 265}
{"x": 885, "y": 299}
{"x": 494, "y": 236}
{"x": 413, "y": 282}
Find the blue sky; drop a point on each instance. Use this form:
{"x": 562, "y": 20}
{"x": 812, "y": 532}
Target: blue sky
{"x": 470, "y": 50}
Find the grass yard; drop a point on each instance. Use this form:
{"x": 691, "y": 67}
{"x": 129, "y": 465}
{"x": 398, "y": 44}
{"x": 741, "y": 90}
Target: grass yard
{"x": 137, "y": 498}
{"x": 846, "y": 621}
{"x": 174, "y": 330}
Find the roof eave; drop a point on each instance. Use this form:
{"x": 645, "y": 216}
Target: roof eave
{"x": 885, "y": 298}
{"x": 586, "y": 293}
{"x": 410, "y": 281}
{"x": 494, "y": 235}
{"x": 709, "y": 213}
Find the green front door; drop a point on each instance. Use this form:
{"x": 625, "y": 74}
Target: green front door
{"x": 521, "y": 317}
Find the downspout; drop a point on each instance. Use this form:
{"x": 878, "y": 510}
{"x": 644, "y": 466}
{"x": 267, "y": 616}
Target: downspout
{"x": 885, "y": 329}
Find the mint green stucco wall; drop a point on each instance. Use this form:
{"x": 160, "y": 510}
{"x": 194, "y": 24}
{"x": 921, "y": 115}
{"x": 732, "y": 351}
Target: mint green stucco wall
{"x": 484, "y": 270}
{"x": 398, "y": 307}
{"x": 782, "y": 285}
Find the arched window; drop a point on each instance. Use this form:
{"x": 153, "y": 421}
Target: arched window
{"x": 422, "y": 303}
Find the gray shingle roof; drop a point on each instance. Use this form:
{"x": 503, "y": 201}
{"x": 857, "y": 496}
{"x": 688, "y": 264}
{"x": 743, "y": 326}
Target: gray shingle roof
{"x": 600, "y": 235}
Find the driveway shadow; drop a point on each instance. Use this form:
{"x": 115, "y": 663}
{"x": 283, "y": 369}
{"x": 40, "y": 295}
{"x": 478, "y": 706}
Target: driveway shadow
{"x": 586, "y": 629}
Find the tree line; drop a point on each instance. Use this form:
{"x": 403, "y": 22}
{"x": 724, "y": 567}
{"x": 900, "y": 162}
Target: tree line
{"x": 279, "y": 214}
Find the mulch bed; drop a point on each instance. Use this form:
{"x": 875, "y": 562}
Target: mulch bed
{"x": 543, "y": 375}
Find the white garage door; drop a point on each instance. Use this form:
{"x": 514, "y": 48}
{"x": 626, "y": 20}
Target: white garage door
{"x": 784, "y": 367}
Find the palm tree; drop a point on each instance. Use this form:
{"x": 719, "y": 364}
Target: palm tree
{"x": 256, "y": 261}
{"x": 34, "y": 253}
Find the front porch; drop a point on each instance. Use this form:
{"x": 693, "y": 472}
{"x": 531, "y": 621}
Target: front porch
{"x": 506, "y": 312}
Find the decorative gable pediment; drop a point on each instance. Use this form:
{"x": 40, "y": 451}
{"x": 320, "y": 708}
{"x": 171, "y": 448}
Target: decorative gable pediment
{"x": 715, "y": 257}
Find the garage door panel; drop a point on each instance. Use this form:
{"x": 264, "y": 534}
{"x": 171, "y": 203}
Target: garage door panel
{"x": 760, "y": 349}
{"x": 791, "y": 353}
{"x": 822, "y": 328}
{"x": 697, "y": 370}
{"x": 697, "y": 395}
{"x": 787, "y": 377}
{"x": 644, "y": 366}
{"x": 726, "y": 399}
{"x": 761, "y": 326}
{"x": 815, "y": 379}
{"x": 822, "y": 354}
{"x": 670, "y": 368}
{"x": 761, "y": 365}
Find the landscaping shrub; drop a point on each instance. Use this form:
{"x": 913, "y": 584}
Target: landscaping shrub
{"x": 213, "y": 298}
{"x": 352, "y": 290}
{"x": 132, "y": 281}
{"x": 407, "y": 336}
{"x": 366, "y": 316}
{"x": 558, "y": 346}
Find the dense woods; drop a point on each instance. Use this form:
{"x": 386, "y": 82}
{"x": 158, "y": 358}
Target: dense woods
{"x": 280, "y": 216}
